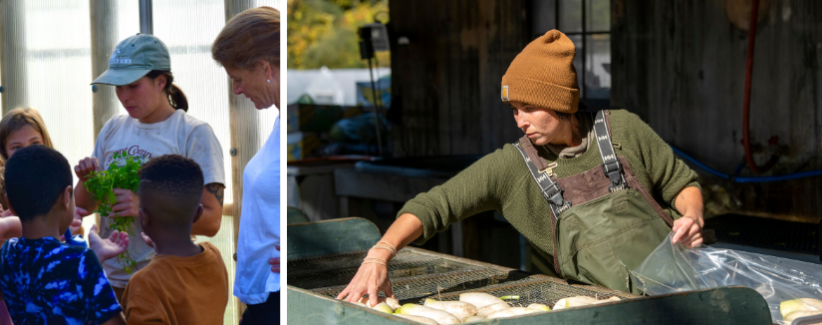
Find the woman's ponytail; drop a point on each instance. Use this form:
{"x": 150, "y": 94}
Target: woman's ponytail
{"x": 176, "y": 96}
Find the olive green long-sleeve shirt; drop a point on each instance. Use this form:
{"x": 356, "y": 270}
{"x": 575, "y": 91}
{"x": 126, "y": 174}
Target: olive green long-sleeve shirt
{"x": 500, "y": 181}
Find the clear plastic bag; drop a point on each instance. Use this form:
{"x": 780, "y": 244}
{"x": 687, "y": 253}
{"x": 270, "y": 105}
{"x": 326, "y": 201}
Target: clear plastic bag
{"x": 673, "y": 268}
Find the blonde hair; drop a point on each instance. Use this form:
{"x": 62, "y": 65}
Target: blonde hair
{"x": 15, "y": 120}
{"x": 249, "y": 37}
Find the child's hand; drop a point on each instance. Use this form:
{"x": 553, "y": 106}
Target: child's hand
{"x": 85, "y": 167}
{"x": 6, "y": 213}
{"x": 147, "y": 239}
{"x": 107, "y": 248}
{"x": 77, "y": 223}
{"x": 128, "y": 203}
{"x": 275, "y": 263}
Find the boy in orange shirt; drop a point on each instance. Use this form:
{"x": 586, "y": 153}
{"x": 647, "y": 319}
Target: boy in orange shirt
{"x": 185, "y": 283}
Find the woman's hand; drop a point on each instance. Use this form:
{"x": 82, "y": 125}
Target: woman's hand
{"x": 275, "y": 262}
{"x": 128, "y": 203}
{"x": 370, "y": 279}
{"x": 85, "y": 167}
{"x": 688, "y": 230}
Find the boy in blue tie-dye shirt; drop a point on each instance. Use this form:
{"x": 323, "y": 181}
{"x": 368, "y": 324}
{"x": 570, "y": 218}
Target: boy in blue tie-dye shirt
{"x": 43, "y": 280}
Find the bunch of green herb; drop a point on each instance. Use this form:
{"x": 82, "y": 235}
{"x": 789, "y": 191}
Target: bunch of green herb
{"x": 101, "y": 184}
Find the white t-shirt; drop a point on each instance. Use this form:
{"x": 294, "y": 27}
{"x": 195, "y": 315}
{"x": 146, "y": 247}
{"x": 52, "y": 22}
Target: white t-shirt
{"x": 259, "y": 224}
{"x": 179, "y": 134}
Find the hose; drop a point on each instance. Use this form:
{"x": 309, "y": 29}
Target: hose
{"x": 758, "y": 179}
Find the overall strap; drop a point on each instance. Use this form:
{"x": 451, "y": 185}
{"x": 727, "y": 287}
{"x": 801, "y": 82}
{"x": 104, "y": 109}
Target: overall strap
{"x": 550, "y": 190}
{"x": 610, "y": 163}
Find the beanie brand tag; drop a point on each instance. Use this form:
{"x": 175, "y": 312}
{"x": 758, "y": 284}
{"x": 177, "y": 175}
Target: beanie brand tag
{"x": 505, "y": 97}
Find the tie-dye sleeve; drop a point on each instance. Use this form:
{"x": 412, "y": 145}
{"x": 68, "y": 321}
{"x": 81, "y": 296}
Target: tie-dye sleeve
{"x": 101, "y": 304}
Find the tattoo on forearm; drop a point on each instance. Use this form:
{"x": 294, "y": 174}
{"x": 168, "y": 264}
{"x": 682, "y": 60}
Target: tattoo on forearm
{"x": 217, "y": 190}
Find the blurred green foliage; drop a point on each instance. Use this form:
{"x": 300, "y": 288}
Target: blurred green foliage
{"x": 324, "y": 32}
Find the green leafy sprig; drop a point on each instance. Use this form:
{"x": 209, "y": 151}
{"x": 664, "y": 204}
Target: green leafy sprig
{"x": 101, "y": 184}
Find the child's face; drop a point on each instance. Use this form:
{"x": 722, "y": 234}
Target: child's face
{"x": 22, "y": 138}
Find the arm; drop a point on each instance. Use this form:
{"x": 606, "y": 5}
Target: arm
{"x": 688, "y": 229}
{"x": 212, "y": 201}
{"x": 83, "y": 199}
{"x": 204, "y": 148}
{"x": 666, "y": 175}
{"x": 10, "y": 227}
{"x": 481, "y": 187}
{"x": 671, "y": 179}
{"x": 83, "y": 169}
{"x": 373, "y": 278}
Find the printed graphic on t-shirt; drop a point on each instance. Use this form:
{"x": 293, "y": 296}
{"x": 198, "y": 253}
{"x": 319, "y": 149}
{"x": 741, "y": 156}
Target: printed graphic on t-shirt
{"x": 132, "y": 151}
{"x": 47, "y": 282}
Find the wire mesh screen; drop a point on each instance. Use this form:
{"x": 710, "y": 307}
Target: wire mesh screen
{"x": 542, "y": 290}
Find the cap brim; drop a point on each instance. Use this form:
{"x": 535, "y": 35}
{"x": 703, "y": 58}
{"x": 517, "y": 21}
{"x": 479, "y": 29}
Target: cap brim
{"x": 120, "y": 77}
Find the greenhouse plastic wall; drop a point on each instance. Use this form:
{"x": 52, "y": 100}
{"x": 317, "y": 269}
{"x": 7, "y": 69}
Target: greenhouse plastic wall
{"x": 188, "y": 28}
{"x": 48, "y": 63}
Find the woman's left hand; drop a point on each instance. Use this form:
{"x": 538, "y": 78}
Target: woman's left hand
{"x": 275, "y": 263}
{"x": 688, "y": 230}
{"x": 128, "y": 203}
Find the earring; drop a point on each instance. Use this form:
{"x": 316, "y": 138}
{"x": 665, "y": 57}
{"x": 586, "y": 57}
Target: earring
{"x": 268, "y": 80}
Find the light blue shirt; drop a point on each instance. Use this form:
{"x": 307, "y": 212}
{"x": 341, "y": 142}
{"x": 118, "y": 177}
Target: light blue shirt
{"x": 259, "y": 224}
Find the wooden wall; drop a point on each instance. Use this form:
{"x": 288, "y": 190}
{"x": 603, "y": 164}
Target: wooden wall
{"x": 446, "y": 81}
{"x": 680, "y": 65}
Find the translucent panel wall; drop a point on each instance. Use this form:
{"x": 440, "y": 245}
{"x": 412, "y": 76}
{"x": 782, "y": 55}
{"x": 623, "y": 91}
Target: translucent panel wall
{"x": 128, "y": 24}
{"x": 188, "y": 28}
{"x": 58, "y": 65}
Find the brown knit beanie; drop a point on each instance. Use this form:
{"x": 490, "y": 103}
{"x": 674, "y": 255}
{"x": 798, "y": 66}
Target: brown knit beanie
{"x": 543, "y": 74}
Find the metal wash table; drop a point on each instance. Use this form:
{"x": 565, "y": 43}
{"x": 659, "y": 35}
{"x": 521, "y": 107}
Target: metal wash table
{"x": 324, "y": 256}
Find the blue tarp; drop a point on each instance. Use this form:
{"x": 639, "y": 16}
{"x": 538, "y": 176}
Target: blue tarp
{"x": 365, "y": 95}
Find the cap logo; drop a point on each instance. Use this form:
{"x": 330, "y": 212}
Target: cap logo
{"x": 505, "y": 94}
{"x": 121, "y": 59}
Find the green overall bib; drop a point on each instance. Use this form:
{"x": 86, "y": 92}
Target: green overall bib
{"x": 604, "y": 222}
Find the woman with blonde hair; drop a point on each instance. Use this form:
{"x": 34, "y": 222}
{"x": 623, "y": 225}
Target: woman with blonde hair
{"x": 248, "y": 48}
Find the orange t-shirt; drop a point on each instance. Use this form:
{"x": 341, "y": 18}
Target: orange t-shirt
{"x": 179, "y": 290}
